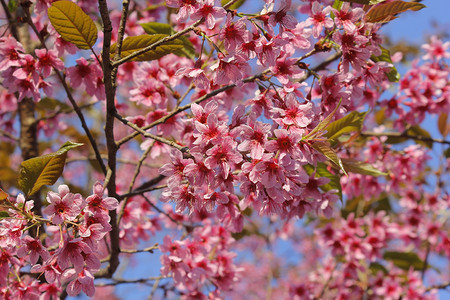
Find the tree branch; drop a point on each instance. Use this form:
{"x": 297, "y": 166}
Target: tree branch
{"x": 404, "y": 135}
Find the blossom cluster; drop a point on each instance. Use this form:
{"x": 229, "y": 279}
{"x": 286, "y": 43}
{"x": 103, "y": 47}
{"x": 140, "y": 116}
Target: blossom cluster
{"x": 70, "y": 254}
{"x": 199, "y": 260}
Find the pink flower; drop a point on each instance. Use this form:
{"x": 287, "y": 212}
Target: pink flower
{"x": 436, "y": 49}
{"x": 232, "y": 34}
{"x": 175, "y": 168}
{"x": 210, "y": 10}
{"x": 64, "y": 206}
{"x": 27, "y": 69}
{"x": 83, "y": 73}
{"x": 79, "y": 281}
{"x": 74, "y": 252}
{"x": 48, "y": 60}
{"x": 347, "y": 17}
{"x": 254, "y": 137}
{"x": 319, "y": 19}
{"x": 96, "y": 202}
{"x": 229, "y": 68}
{"x": 223, "y": 155}
{"x": 281, "y": 17}
{"x": 10, "y": 53}
{"x": 34, "y": 248}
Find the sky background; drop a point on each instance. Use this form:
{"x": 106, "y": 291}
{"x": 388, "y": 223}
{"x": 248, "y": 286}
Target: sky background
{"x": 412, "y": 27}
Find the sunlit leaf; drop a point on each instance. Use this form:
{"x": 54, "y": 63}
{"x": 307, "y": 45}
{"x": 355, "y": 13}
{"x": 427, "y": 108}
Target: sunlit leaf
{"x": 322, "y": 171}
{"x": 360, "y": 167}
{"x": 163, "y": 28}
{"x": 443, "y": 126}
{"x": 377, "y": 267}
{"x": 73, "y": 24}
{"x": 404, "y": 260}
{"x": 235, "y": 5}
{"x": 43, "y": 170}
{"x": 4, "y": 215}
{"x": 393, "y": 74}
{"x": 135, "y": 43}
{"x": 351, "y": 122}
{"x": 416, "y": 130}
{"x": 328, "y": 152}
{"x": 386, "y": 12}
{"x": 323, "y": 124}
{"x": 3, "y": 195}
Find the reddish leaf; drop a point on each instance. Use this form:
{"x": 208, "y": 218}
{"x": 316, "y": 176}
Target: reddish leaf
{"x": 386, "y": 12}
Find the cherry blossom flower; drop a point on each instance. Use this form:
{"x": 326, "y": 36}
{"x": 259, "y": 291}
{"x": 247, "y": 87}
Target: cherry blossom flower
{"x": 96, "y": 202}
{"x": 64, "y": 206}
{"x": 47, "y": 60}
{"x": 79, "y": 281}
{"x": 319, "y": 19}
{"x": 210, "y": 10}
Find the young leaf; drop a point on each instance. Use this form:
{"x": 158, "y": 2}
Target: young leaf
{"x": 360, "y": 167}
{"x": 233, "y": 6}
{"x": 328, "y": 152}
{"x": 4, "y": 215}
{"x": 162, "y": 28}
{"x": 366, "y": 2}
{"x": 73, "y": 24}
{"x": 43, "y": 170}
{"x": 392, "y": 75}
{"x": 349, "y": 123}
{"x": 386, "y": 12}
{"x": 404, "y": 260}
{"x": 322, "y": 125}
{"x": 416, "y": 130}
{"x": 322, "y": 171}
{"x": 135, "y": 43}
{"x": 443, "y": 126}
{"x": 3, "y": 195}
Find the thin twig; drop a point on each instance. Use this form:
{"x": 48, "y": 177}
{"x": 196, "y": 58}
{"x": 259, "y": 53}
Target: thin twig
{"x": 149, "y": 135}
{"x": 149, "y": 249}
{"x": 133, "y": 180}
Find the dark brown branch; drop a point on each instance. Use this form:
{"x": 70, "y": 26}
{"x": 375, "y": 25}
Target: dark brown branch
{"x": 110, "y": 141}
{"x": 404, "y": 135}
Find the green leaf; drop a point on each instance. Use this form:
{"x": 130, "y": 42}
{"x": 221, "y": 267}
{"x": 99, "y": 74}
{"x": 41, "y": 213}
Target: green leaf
{"x": 135, "y": 43}
{"x": 12, "y": 5}
{"x": 393, "y": 74}
{"x": 52, "y": 104}
{"x": 404, "y": 260}
{"x": 337, "y": 4}
{"x": 4, "y": 215}
{"x": 386, "y": 12}
{"x": 322, "y": 171}
{"x": 322, "y": 125}
{"x": 360, "y": 167}
{"x": 43, "y": 170}
{"x": 349, "y": 123}
{"x": 235, "y": 5}
{"x": 328, "y": 152}
{"x": 73, "y": 24}
{"x": 416, "y": 130}
{"x": 162, "y": 28}
{"x": 447, "y": 153}
{"x": 376, "y": 267}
